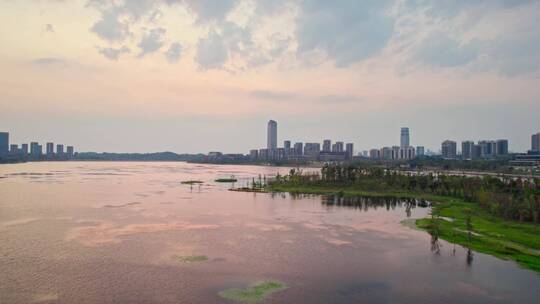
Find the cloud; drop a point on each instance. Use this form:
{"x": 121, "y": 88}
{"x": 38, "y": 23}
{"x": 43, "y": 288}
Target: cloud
{"x": 49, "y": 61}
{"x": 210, "y": 10}
{"x": 299, "y": 97}
{"x": 113, "y": 53}
{"x": 151, "y": 41}
{"x": 110, "y": 28}
{"x": 347, "y": 31}
{"x": 440, "y": 50}
{"x": 174, "y": 52}
{"x": 211, "y": 51}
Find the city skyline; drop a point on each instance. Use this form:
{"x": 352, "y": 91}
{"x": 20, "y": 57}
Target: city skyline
{"x": 122, "y": 76}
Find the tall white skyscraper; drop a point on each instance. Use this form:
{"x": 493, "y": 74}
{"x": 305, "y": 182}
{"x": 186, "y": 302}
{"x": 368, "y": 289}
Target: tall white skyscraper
{"x": 405, "y": 137}
{"x": 271, "y": 135}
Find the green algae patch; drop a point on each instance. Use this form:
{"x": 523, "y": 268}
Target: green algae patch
{"x": 191, "y": 182}
{"x": 253, "y": 294}
{"x": 226, "y": 180}
{"x": 191, "y": 258}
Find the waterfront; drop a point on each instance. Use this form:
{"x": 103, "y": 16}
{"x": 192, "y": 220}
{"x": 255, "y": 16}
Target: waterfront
{"x": 111, "y": 232}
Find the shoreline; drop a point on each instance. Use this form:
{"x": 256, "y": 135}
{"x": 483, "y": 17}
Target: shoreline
{"x": 504, "y": 239}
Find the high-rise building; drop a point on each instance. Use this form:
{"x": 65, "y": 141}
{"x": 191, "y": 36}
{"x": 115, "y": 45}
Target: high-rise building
{"x": 349, "y": 147}
{"x": 467, "y": 149}
{"x": 34, "y": 149}
{"x": 337, "y": 147}
{"x": 254, "y": 154}
{"x": 374, "y": 154}
{"x": 50, "y": 149}
{"x": 4, "y": 143}
{"x": 298, "y": 149}
{"x": 287, "y": 144}
{"x": 312, "y": 150}
{"x": 327, "y": 145}
{"x": 405, "y": 140}
{"x": 24, "y": 149}
{"x": 386, "y": 153}
{"x": 502, "y": 147}
{"x": 60, "y": 150}
{"x": 271, "y": 135}
{"x": 407, "y": 153}
{"x": 70, "y": 151}
{"x": 449, "y": 149}
{"x": 14, "y": 149}
{"x": 420, "y": 151}
{"x": 535, "y": 142}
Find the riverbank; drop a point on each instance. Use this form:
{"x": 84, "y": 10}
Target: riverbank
{"x": 509, "y": 240}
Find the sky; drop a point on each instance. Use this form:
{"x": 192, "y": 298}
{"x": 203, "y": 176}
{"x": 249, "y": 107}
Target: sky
{"x": 196, "y": 76}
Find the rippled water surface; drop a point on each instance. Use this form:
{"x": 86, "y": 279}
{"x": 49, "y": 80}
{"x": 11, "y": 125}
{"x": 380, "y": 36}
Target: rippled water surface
{"x": 110, "y": 232}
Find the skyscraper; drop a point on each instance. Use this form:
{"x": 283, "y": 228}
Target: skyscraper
{"x": 467, "y": 149}
{"x": 349, "y": 147}
{"x": 405, "y": 137}
{"x": 327, "y": 145}
{"x": 502, "y": 147}
{"x": 535, "y": 142}
{"x": 59, "y": 150}
{"x": 449, "y": 149}
{"x": 70, "y": 151}
{"x": 50, "y": 149}
{"x": 298, "y": 149}
{"x": 24, "y": 149}
{"x": 34, "y": 149}
{"x": 420, "y": 151}
{"x": 4, "y": 143}
{"x": 287, "y": 144}
{"x": 271, "y": 135}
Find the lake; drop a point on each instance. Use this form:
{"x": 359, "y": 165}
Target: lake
{"x": 130, "y": 232}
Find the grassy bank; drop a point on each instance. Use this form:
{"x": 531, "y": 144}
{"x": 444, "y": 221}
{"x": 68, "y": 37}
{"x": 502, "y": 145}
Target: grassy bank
{"x": 504, "y": 239}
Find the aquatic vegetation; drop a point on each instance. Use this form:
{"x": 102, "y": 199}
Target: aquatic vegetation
{"x": 253, "y": 294}
{"x": 191, "y": 258}
{"x": 226, "y": 180}
{"x": 191, "y": 182}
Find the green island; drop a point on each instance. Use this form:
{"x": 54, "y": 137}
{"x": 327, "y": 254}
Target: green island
{"x": 226, "y": 180}
{"x": 191, "y": 258}
{"x": 253, "y": 294}
{"x": 191, "y": 182}
{"x": 493, "y": 215}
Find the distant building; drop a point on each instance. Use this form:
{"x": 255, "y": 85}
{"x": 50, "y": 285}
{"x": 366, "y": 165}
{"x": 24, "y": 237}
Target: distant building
{"x": 312, "y": 150}
{"x": 263, "y": 154}
{"x": 374, "y": 154}
{"x": 4, "y": 143}
{"x": 535, "y": 142}
{"x": 327, "y": 145}
{"x": 287, "y": 144}
{"x": 254, "y": 154}
{"x": 337, "y": 147}
{"x": 405, "y": 140}
{"x": 70, "y": 151}
{"x": 449, "y": 149}
{"x": 349, "y": 147}
{"x": 386, "y": 153}
{"x": 502, "y": 147}
{"x": 24, "y": 149}
{"x": 420, "y": 151}
{"x": 50, "y": 149}
{"x": 298, "y": 149}
{"x": 395, "y": 152}
{"x": 467, "y": 148}
{"x": 271, "y": 136}
{"x": 14, "y": 149}
{"x": 59, "y": 150}
{"x": 476, "y": 152}
{"x": 35, "y": 149}
{"x": 407, "y": 153}
{"x": 332, "y": 156}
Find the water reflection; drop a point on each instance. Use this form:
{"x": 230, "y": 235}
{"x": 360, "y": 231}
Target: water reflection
{"x": 365, "y": 203}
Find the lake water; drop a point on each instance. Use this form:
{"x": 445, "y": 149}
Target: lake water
{"x": 112, "y": 232}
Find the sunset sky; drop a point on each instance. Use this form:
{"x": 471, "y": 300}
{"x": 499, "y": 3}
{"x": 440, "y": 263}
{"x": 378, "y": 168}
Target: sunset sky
{"x": 199, "y": 76}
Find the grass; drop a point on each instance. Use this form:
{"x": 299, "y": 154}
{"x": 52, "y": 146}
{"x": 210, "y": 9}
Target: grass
{"x": 226, "y": 180}
{"x": 191, "y": 182}
{"x": 253, "y": 294}
{"x": 509, "y": 240}
{"x": 191, "y": 258}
